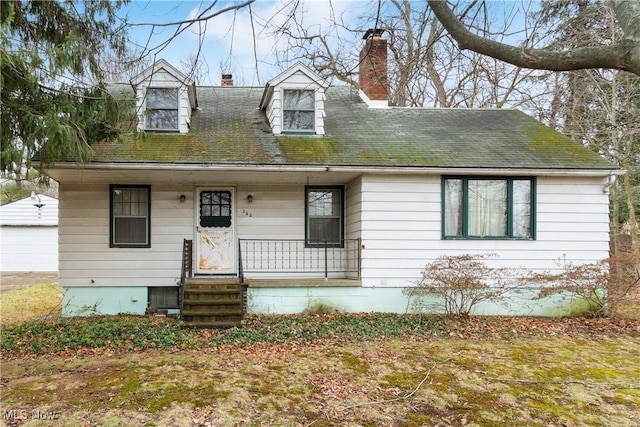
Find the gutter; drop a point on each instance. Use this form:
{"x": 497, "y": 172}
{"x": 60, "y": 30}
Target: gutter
{"x": 401, "y": 170}
{"x": 481, "y": 171}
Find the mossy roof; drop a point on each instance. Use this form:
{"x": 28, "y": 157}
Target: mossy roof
{"x": 230, "y": 129}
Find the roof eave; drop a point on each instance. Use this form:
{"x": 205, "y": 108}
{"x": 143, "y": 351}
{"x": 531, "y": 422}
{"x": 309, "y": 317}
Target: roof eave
{"x": 432, "y": 170}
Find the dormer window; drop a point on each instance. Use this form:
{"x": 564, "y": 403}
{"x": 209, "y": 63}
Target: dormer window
{"x": 294, "y": 102}
{"x": 165, "y": 99}
{"x": 162, "y": 109}
{"x": 299, "y": 110}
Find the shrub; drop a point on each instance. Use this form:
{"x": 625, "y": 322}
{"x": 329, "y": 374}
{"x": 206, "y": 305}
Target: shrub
{"x": 461, "y": 282}
{"x": 319, "y": 309}
{"x": 601, "y": 285}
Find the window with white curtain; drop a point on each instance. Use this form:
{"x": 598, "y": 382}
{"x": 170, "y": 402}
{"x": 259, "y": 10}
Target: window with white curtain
{"x": 488, "y": 207}
{"x": 298, "y": 111}
{"x": 162, "y": 109}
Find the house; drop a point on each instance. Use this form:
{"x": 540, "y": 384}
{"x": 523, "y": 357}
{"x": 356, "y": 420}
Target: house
{"x": 29, "y": 235}
{"x": 300, "y": 193}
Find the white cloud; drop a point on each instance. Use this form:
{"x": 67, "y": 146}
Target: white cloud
{"x": 229, "y": 44}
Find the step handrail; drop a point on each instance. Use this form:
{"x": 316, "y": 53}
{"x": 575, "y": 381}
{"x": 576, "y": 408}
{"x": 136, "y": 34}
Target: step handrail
{"x": 185, "y": 270}
{"x": 241, "y": 284}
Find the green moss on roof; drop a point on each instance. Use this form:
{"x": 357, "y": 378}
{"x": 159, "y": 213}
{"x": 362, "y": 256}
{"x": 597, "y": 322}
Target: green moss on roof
{"x": 229, "y": 128}
{"x": 307, "y": 149}
{"x": 546, "y": 143}
{"x": 222, "y": 132}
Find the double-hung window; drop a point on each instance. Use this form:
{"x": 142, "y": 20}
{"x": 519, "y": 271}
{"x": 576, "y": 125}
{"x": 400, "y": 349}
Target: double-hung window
{"x": 130, "y": 219}
{"x": 324, "y": 215}
{"x": 485, "y": 208}
{"x": 162, "y": 109}
{"x": 299, "y": 111}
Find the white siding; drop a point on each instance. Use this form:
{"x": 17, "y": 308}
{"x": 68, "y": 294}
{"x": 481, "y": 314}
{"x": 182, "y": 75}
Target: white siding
{"x": 274, "y": 112}
{"x": 398, "y": 219}
{"x": 29, "y": 248}
{"x": 277, "y": 212}
{"x": 24, "y": 212}
{"x": 29, "y": 235}
{"x": 85, "y": 256}
{"x": 401, "y": 227}
{"x": 353, "y": 214}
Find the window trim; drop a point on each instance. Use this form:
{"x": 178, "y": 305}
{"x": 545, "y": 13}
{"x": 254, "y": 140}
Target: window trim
{"x": 112, "y": 243}
{"x": 147, "y": 109}
{"x": 465, "y": 208}
{"x": 307, "y": 190}
{"x": 311, "y": 131}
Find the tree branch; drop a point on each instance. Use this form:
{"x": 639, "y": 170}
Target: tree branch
{"x": 201, "y": 17}
{"x": 621, "y": 56}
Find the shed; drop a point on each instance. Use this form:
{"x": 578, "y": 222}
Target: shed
{"x": 29, "y": 234}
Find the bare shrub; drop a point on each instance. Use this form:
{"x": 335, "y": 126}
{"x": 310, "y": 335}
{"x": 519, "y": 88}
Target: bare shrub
{"x": 602, "y": 285}
{"x": 624, "y": 280}
{"x": 460, "y": 282}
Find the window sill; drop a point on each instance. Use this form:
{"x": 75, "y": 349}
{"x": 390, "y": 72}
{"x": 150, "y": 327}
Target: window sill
{"x": 322, "y": 245}
{"x": 526, "y": 239}
{"x": 299, "y": 132}
{"x": 162, "y": 130}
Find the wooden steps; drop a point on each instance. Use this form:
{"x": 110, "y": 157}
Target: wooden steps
{"x": 212, "y": 302}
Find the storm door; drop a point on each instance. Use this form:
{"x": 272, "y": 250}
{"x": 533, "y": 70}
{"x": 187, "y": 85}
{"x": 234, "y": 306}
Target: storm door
{"x": 215, "y": 231}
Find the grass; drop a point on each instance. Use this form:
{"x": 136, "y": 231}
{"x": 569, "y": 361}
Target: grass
{"x": 321, "y": 370}
{"x": 410, "y": 382}
{"x": 30, "y": 303}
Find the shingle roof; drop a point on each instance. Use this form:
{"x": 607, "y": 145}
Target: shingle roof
{"x": 230, "y": 129}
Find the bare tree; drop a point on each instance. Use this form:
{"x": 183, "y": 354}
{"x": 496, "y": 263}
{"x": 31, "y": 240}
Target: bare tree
{"x": 195, "y": 67}
{"x": 122, "y": 67}
{"x": 599, "y": 108}
{"x": 425, "y": 66}
{"x": 622, "y": 55}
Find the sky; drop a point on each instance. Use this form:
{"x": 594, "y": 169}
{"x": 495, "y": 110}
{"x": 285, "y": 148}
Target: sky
{"x": 242, "y": 42}
{"x": 229, "y": 45}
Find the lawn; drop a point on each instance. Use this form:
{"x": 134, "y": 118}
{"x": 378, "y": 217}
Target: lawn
{"x": 33, "y": 302}
{"x": 331, "y": 370}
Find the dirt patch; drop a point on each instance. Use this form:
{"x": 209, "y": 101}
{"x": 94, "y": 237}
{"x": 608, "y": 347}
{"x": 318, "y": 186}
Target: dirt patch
{"x": 12, "y": 280}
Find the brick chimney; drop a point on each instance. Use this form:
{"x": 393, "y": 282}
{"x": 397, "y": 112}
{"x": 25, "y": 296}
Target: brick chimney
{"x": 373, "y": 66}
{"x": 227, "y": 80}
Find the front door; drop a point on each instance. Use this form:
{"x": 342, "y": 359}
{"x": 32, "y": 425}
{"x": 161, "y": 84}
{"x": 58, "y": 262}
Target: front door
{"x": 215, "y": 231}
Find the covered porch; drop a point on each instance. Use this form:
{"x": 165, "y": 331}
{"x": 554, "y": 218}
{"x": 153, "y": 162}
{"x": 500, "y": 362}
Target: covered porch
{"x": 211, "y": 300}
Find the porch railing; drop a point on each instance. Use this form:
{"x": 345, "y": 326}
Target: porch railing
{"x": 298, "y": 257}
{"x": 185, "y": 270}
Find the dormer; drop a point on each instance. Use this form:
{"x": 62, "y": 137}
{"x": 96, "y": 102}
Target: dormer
{"x": 294, "y": 102}
{"x": 165, "y": 98}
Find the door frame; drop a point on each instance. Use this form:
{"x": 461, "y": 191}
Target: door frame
{"x": 196, "y": 218}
